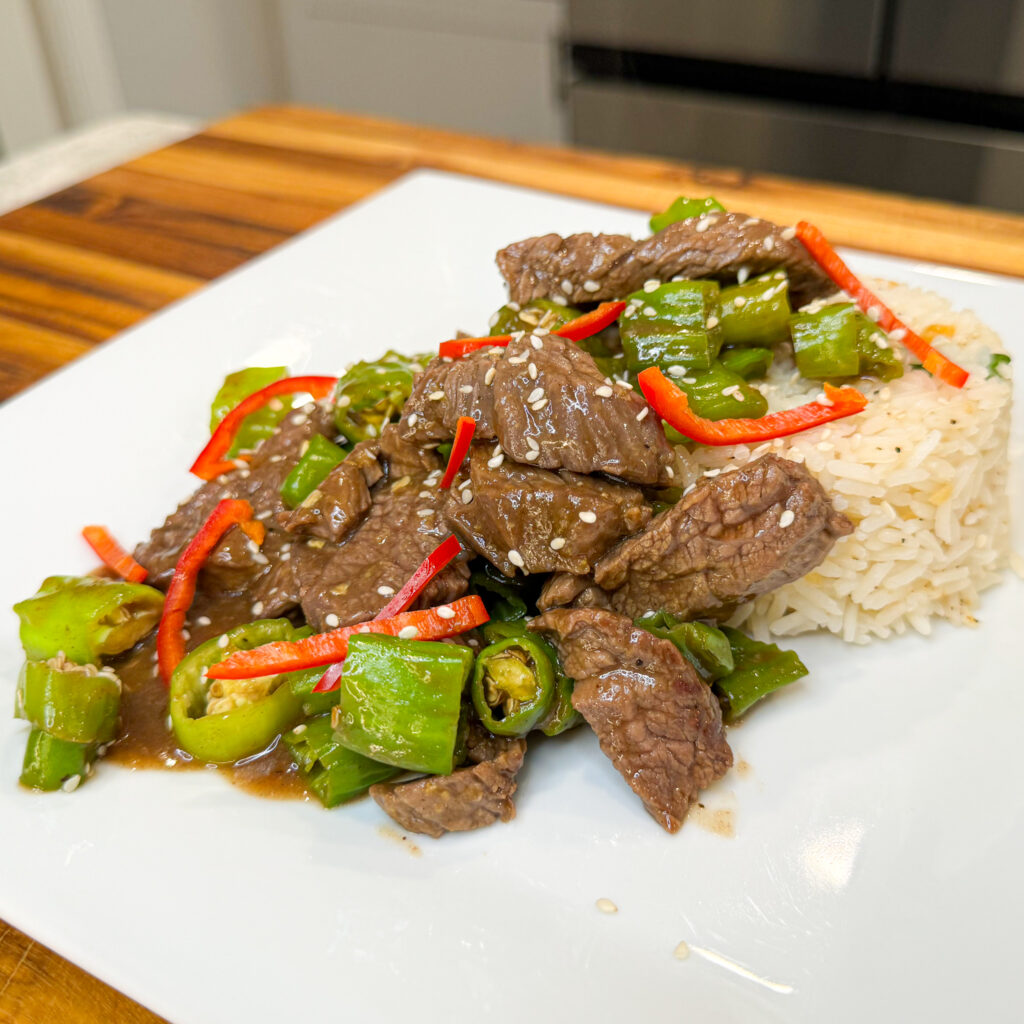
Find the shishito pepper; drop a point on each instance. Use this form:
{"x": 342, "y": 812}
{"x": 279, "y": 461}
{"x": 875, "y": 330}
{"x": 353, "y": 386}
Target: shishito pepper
{"x": 675, "y": 325}
{"x": 718, "y": 394}
{"x": 757, "y": 311}
{"x": 513, "y": 685}
{"x": 369, "y": 395}
{"x": 400, "y": 701}
{"x": 265, "y": 707}
{"x": 535, "y": 313}
{"x": 51, "y": 763}
{"x": 86, "y": 618}
{"x": 76, "y": 703}
{"x": 259, "y": 425}
{"x": 758, "y": 670}
{"x": 684, "y": 208}
{"x": 839, "y": 342}
{"x": 332, "y": 772}
{"x": 317, "y": 461}
{"x": 704, "y": 646}
{"x": 747, "y": 361}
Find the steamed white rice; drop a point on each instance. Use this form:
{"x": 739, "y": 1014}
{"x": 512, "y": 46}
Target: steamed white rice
{"x": 922, "y": 473}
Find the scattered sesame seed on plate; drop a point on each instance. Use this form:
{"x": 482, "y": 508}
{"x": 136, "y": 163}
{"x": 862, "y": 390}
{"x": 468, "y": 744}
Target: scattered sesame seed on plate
{"x": 588, "y": 286}
{"x": 642, "y": 414}
{"x": 536, "y": 342}
{"x": 446, "y": 612}
{"x": 539, "y": 404}
{"x": 515, "y": 558}
{"x": 652, "y": 284}
{"x": 769, "y": 243}
{"x": 604, "y": 391}
{"x": 567, "y": 286}
{"x": 531, "y": 455}
{"x": 588, "y": 517}
{"x": 604, "y": 904}
{"x": 535, "y": 395}
{"x": 650, "y": 311}
{"x": 466, "y": 389}
{"x": 532, "y": 371}
{"x": 557, "y": 543}
{"x": 257, "y": 608}
{"x": 739, "y": 302}
{"x": 69, "y": 785}
{"x": 331, "y": 621}
{"x": 712, "y": 323}
{"x": 495, "y": 461}
{"x": 789, "y": 233}
{"x": 742, "y": 274}
{"x": 467, "y": 497}
{"x": 489, "y": 376}
{"x": 787, "y": 517}
{"x": 203, "y": 620}
{"x": 681, "y": 952}
{"x": 408, "y": 633}
{"x": 222, "y": 641}
{"x": 436, "y": 396}
{"x": 385, "y": 591}
{"x": 624, "y": 384}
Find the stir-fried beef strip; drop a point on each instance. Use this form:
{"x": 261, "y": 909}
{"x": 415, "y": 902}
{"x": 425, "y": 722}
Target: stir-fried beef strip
{"x": 563, "y": 588}
{"x": 592, "y": 268}
{"x": 447, "y": 390}
{"x": 656, "y": 720}
{"x": 735, "y": 536}
{"x": 554, "y": 409}
{"x": 471, "y": 797}
{"x": 537, "y": 520}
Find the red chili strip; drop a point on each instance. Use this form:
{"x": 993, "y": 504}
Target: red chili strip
{"x": 327, "y": 648}
{"x": 832, "y": 263}
{"x": 671, "y": 404}
{"x": 211, "y": 461}
{"x": 438, "y": 559}
{"x": 170, "y": 641}
{"x": 575, "y": 330}
{"x": 112, "y": 555}
{"x": 464, "y": 431}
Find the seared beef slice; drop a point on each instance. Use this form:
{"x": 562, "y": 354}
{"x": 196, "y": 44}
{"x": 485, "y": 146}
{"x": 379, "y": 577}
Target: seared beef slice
{"x": 715, "y": 245}
{"x": 737, "y": 535}
{"x": 554, "y": 409}
{"x": 660, "y": 725}
{"x": 471, "y": 797}
{"x": 504, "y": 507}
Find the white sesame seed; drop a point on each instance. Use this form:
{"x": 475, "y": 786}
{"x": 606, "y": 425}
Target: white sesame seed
{"x": 299, "y": 729}
{"x": 739, "y": 302}
{"x": 689, "y": 380}
{"x": 436, "y": 396}
{"x": 787, "y": 517}
{"x": 769, "y": 243}
{"x": 495, "y": 462}
{"x": 789, "y": 233}
{"x": 567, "y": 286}
{"x": 465, "y": 484}
{"x": 732, "y": 390}
{"x": 331, "y": 620}
{"x": 467, "y": 497}
{"x": 489, "y": 376}
{"x": 642, "y": 414}
{"x": 424, "y": 513}
{"x": 493, "y": 320}
{"x": 588, "y": 517}
{"x": 532, "y": 371}
{"x": 899, "y": 334}
{"x": 712, "y": 323}
{"x": 823, "y": 399}
{"x": 425, "y": 494}
{"x": 222, "y": 641}
{"x": 712, "y": 472}
{"x": 299, "y": 418}
{"x": 446, "y": 612}
{"x": 670, "y": 472}
{"x": 604, "y": 391}
{"x": 652, "y": 284}
{"x": 515, "y": 558}
{"x": 535, "y": 395}
{"x": 536, "y": 342}
{"x": 541, "y": 331}
{"x": 532, "y": 444}
{"x": 70, "y": 785}
{"x": 514, "y": 306}
{"x": 516, "y": 360}
{"x": 257, "y": 608}
{"x": 466, "y": 389}
{"x": 408, "y": 633}
{"x": 497, "y": 449}
{"x": 880, "y": 341}
{"x": 591, "y": 286}
{"x": 603, "y": 904}
{"x": 703, "y": 225}
{"x": 650, "y": 311}
{"x": 742, "y": 274}
{"x": 531, "y": 455}
{"x": 557, "y": 543}
{"x": 539, "y": 404}
{"x": 677, "y": 371}
{"x": 624, "y": 384}
{"x": 874, "y": 312}
{"x": 386, "y": 591}
{"x": 203, "y": 620}
{"x": 682, "y": 951}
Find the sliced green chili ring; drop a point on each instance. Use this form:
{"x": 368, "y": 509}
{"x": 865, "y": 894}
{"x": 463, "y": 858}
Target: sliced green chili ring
{"x": 51, "y": 764}
{"x": 756, "y": 312}
{"x": 684, "y": 208}
{"x": 513, "y": 685}
{"x": 228, "y": 736}
{"x": 71, "y": 702}
{"x": 400, "y": 701}
{"x": 311, "y": 470}
{"x": 259, "y": 425}
{"x": 333, "y": 773}
{"x": 748, "y": 362}
{"x": 759, "y": 670}
{"x": 86, "y": 617}
{"x": 539, "y": 313}
{"x": 704, "y": 646}
{"x": 370, "y": 395}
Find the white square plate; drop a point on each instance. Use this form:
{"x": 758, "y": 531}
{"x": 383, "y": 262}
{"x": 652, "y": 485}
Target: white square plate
{"x": 875, "y": 868}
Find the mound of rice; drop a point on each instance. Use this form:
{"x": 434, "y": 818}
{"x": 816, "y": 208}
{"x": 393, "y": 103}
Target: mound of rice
{"x": 923, "y": 475}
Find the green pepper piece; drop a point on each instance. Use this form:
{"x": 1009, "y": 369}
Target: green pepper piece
{"x": 676, "y": 325}
{"x": 747, "y": 361}
{"x": 227, "y": 736}
{"x": 759, "y": 669}
{"x": 259, "y": 425}
{"x": 538, "y": 313}
{"x": 718, "y": 394}
{"x": 302, "y": 683}
{"x": 997, "y": 359}
{"x": 319, "y": 458}
{"x": 86, "y": 617}
{"x": 705, "y": 647}
{"x": 684, "y": 208}
{"x": 825, "y": 343}
{"x": 333, "y": 773}
{"x": 876, "y": 355}
{"x": 756, "y": 312}
{"x": 371, "y": 395}
{"x": 502, "y": 596}
{"x": 513, "y": 686}
{"x": 400, "y": 701}
{"x": 51, "y": 763}
{"x": 71, "y": 702}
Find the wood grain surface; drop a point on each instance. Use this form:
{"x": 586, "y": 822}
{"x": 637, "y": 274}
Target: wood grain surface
{"x": 81, "y": 265}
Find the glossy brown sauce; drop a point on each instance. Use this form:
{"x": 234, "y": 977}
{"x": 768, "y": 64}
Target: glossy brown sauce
{"x": 145, "y": 738}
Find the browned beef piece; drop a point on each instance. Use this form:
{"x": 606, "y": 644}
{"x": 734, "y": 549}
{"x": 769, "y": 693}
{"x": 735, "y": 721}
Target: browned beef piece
{"x": 346, "y": 580}
{"x": 554, "y": 409}
{"x": 656, "y": 720}
{"x": 403, "y": 458}
{"x": 716, "y": 245}
{"x": 510, "y": 507}
{"x": 563, "y": 589}
{"x": 471, "y": 797}
{"x": 737, "y": 535}
{"x": 259, "y": 483}
{"x": 447, "y": 390}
